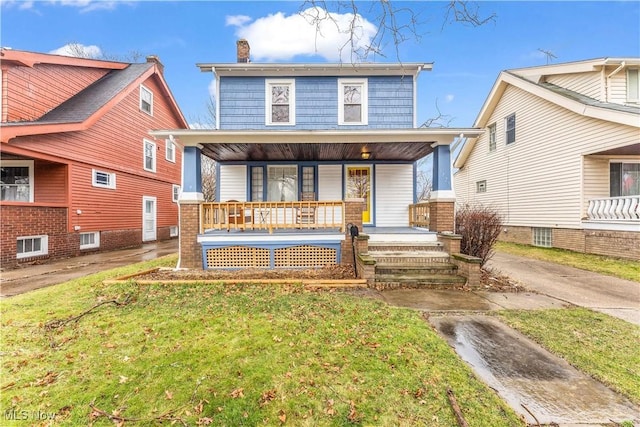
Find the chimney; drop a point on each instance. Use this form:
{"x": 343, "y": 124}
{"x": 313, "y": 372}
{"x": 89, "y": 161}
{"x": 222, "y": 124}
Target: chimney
{"x": 154, "y": 59}
{"x": 243, "y": 50}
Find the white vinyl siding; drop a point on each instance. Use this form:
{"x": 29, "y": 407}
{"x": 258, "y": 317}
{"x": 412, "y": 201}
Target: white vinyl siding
{"x": 233, "y": 183}
{"x": 539, "y": 180}
{"x": 633, "y": 85}
{"x": 329, "y": 182}
{"x": 588, "y": 84}
{"x": 393, "y": 195}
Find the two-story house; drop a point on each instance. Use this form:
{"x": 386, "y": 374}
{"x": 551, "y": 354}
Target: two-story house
{"x": 560, "y": 158}
{"x": 80, "y": 173}
{"x": 303, "y": 152}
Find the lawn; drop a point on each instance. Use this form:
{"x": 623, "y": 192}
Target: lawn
{"x": 617, "y": 267}
{"x": 604, "y": 347}
{"x": 229, "y": 355}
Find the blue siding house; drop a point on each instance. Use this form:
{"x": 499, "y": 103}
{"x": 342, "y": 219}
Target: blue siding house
{"x": 306, "y": 154}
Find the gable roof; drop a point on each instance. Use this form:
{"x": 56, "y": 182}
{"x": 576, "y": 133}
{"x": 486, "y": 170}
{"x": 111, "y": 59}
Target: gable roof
{"x": 248, "y": 69}
{"x": 82, "y": 110}
{"x": 530, "y": 81}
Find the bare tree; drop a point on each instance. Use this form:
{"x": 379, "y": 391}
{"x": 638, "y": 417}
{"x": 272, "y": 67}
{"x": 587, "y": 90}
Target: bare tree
{"x": 423, "y": 179}
{"x": 395, "y": 24}
{"x": 209, "y": 179}
{"x": 439, "y": 121}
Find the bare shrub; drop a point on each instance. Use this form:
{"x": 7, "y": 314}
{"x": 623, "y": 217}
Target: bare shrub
{"x": 479, "y": 227}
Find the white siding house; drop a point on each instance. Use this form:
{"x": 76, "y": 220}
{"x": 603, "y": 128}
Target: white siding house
{"x": 570, "y": 178}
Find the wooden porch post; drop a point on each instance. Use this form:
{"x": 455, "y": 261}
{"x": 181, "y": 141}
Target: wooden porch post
{"x": 190, "y": 199}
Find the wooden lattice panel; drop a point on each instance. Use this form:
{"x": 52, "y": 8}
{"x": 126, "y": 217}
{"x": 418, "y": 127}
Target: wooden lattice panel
{"x": 304, "y": 256}
{"x": 237, "y": 257}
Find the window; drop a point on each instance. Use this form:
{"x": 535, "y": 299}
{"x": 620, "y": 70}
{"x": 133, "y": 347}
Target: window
{"x": 633, "y": 85}
{"x": 624, "y": 179}
{"x": 149, "y": 156}
{"x": 17, "y": 180}
{"x": 481, "y": 186}
{"x": 352, "y": 102}
{"x": 542, "y": 237}
{"x": 103, "y": 179}
{"x": 90, "y": 240}
{"x": 282, "y": 183}
{"x": 492, "y": 137}
{"x": 511, "y": 128}
{"x": 308, "y": 179}
{"x": 257, "y": 184}
{"x": 170, "y": 151}
{"x": 146, "y": 100}
{"x": 32, "y": 246}
{"x": 281, "y": 106}
{"x": 175, "y": 192}
{"x": 173, "y": 231}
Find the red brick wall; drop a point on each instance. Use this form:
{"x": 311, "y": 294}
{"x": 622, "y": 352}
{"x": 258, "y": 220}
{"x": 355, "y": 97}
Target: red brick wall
{"x": 190, "y": 250}
{"x": 352, "y": 215}
{"x": 441, "y": 216}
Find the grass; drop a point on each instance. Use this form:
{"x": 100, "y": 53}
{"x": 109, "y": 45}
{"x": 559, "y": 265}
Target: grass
{"x": 606, "y": 348}
{"x": 230, "y": 355}
{"x": 617, "y": 267}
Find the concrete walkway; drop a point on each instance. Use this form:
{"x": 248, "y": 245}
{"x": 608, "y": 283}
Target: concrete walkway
{"x": 28, "y": 278}
{"x": 615, "y": 297}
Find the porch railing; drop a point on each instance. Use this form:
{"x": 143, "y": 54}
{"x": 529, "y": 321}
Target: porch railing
{"x": 271, "y": 215}
{"x": 626, "y": 208}
{"x": 419, "y": 215}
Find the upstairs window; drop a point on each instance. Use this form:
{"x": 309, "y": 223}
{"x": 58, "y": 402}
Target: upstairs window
{"x": 175, "y": 193}
{"x": 492, "y": 137}
{"x": 103, "y": 179}
{"x": 633, "y": 85}
{"x": 17, "y": 180}
{"x": 352, "y": 102}
{"x": 281, "y": 108}
{"x": 149, "y": 156}
{"x": 481, "y": 186}
{"x": 510, "y": 125}
{"x": 170, "y": 151}
{"x": 146, "y": 100}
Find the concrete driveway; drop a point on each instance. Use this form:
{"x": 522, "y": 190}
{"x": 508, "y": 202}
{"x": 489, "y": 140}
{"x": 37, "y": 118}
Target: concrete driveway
{"x": 21, "y": 280}
{"x": 615, "y": 297}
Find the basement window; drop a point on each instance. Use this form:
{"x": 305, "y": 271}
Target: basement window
{"x": 30, "y": 246}
{"x": 542, "y": 237}
{"x": 90, "y": 240}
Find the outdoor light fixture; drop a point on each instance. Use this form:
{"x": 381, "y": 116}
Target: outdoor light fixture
{"x": 365, "y": 155}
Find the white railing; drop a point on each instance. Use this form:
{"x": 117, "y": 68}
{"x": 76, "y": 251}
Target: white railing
{"x": 625, "y": 208}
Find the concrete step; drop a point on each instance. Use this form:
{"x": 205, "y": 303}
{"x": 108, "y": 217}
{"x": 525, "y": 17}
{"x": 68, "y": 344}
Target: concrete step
{"x": 405, "y": 247}
{"x": 416, "y": 268}
{"x": 415, "y": 257}
{"x": 436, "y": 281}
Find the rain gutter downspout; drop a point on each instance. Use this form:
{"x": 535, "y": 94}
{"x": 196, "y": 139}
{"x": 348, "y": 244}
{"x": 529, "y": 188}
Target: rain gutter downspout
{"x": 613, "y": 73}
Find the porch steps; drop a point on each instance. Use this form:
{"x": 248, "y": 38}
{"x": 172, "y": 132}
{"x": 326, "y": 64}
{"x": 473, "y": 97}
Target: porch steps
{"x": 413, "y": 265}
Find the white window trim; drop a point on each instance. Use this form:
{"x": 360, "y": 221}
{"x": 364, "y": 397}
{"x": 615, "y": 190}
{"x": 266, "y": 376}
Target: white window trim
{"x": 20, "y": 164}
{"x": 506, "y": 129}
{"x": 173, "y": 231}
{"x": 96, "y": 241}
{"x": 292, "y": 101}
{"x": 175, "y": 193}
{"x": 95, "y": 183}
{"x": 632, "y": 97}
{"x": 365, "y": 101}
{"x": 170, "y": 153}
{"x": 144, "y": 155}
{"x": 481, "y": 186}
{"x": 493, "y": 132}
{"x": 143, "y": 88}
{"x": 44, "y": 246}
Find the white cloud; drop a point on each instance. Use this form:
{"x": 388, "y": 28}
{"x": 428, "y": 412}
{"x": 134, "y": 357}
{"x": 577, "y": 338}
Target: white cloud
{"x": 279, "y": 37}
{"x": 449, "y": 97}
{"x": 237, "y": 20}
{"x": 78, "y": 50}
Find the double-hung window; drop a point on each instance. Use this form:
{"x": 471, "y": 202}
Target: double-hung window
{"x": 170, "y": 152}
{"x": 17, "y": 180}
{"x": 510, "y": 125}
{"x": 633, "y": 85}
{"x": 492, "y": 137}
{"x": 175, "y": 193}
{"x": 103, "y": 179}
{"x": 280, "y": 99}
{"x": 352, "y": 102}
{"x": 149, "y": 156}
{"x": 146, "y": 100}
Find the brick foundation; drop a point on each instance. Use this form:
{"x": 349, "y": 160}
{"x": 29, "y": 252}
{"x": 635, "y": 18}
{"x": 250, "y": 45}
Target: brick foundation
{"x": 622, "y": 244}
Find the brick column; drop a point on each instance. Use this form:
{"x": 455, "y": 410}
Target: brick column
{"x": 441, "y": 216}
{"x": 352, "y": 215}
{"x": 190, "y": 251}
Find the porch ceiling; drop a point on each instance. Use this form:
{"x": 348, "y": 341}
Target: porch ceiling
{"x": 629, "y": 150}
{"x": 317, "y": 145}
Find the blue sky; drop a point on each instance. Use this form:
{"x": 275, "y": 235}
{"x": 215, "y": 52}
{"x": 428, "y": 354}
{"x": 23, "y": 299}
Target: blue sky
{"x": 466, "y": 60}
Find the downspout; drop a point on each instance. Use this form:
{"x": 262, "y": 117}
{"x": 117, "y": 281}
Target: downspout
{"x": 606, "y": 86}
{"x": 217, "y": 100}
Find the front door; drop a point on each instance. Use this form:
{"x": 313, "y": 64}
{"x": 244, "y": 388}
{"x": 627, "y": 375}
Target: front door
{"x": 148, "y": 218}
{"x": 359, "y": 185}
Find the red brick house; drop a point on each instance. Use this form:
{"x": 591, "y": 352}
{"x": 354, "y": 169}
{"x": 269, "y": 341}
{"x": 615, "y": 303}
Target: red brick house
{"x": 80, "y": 172}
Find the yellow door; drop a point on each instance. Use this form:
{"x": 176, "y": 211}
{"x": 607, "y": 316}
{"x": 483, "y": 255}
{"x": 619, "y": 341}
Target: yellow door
{"x": 359, "y": 186}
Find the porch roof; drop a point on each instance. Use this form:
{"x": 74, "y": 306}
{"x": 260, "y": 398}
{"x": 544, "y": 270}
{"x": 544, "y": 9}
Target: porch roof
{"x": 317, "y": 145}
